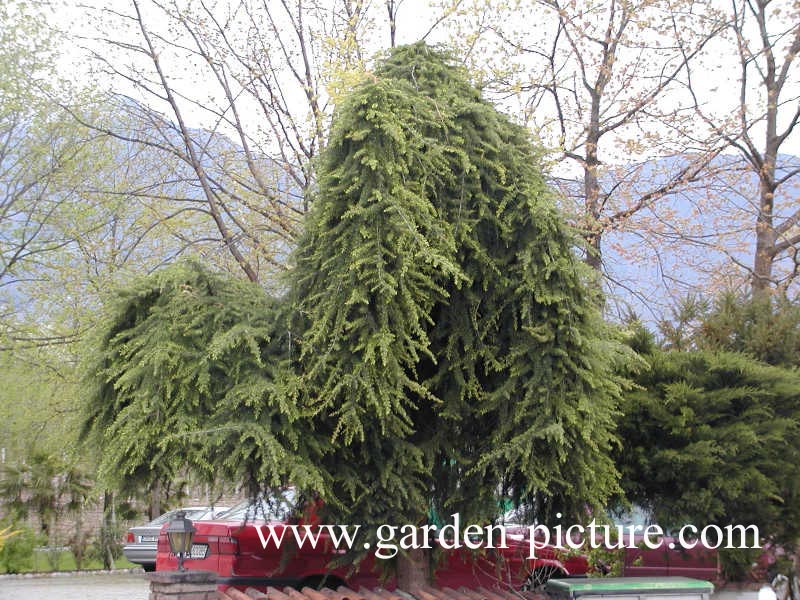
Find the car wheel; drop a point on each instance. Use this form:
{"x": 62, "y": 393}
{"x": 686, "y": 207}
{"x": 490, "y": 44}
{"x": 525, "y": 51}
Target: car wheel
{"x": 149, "y": 568}
{"x": 540, "y": 576}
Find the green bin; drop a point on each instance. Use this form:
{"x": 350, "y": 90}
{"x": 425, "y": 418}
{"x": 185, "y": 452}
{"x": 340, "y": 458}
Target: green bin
{"x": 630, "y": 588}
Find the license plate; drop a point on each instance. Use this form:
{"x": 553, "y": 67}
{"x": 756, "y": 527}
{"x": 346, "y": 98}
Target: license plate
{"x": 147, "y": 538}
{"x": 199, "y": 551}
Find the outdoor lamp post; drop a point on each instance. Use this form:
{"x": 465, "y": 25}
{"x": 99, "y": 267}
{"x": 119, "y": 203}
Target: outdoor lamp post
{"x": 180, "y": 532}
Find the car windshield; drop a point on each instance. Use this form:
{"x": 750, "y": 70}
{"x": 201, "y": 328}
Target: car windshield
{"x": 191, "y": 513}
{"x": 278, "y": 507}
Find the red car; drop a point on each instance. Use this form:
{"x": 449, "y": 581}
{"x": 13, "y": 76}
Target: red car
{"x": 238, "y": 547}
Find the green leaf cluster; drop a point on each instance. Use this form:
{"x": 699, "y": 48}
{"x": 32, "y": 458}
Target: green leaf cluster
{"x": 16, "y": 554}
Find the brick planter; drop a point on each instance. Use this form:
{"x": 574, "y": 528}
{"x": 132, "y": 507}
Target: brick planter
{"x": 183, "y": 585}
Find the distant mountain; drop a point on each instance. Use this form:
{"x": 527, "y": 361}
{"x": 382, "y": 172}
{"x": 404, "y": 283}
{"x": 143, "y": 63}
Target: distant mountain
{"x": 699, "y": 238}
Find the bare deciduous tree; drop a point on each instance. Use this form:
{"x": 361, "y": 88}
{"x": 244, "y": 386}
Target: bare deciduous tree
{"x": 763, "y": 38}
{"x": 243, "y": 92}
{"x": 602, "y": 84}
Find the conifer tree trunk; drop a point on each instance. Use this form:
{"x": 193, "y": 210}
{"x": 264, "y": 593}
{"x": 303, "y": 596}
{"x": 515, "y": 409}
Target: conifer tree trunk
{"x": 413, "y": 569}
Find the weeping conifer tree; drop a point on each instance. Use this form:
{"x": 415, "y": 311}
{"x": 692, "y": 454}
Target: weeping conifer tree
{"x": 450, "y": 345}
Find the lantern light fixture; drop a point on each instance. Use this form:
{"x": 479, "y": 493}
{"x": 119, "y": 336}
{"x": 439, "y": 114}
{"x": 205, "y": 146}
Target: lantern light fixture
{"x": 180, "y": 533}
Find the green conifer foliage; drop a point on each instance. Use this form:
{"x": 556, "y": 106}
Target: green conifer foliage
{"x": 765, "y": 328}
{"x": 451, "y": 347}
{"x": 714, "y": 438}
{"x": 184, "y": 373}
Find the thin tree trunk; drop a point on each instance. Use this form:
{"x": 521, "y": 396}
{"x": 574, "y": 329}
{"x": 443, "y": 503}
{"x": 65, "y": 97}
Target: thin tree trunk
{"x": 591, "y": 191}
{"x": 594, "y": 257}
{"x": 108, "y": 530}
{"x": 77, "y": 550}
{"x": 765, "y": 243}
{"x": 773, "y": 77}
{"x": 155, "y": 500}
{"x": 766, "y": 237}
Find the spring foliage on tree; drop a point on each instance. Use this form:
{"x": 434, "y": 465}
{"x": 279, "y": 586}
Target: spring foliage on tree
{"x": 450, "y": 347}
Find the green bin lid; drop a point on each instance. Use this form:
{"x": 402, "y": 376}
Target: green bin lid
{"x": 629, "y": 584}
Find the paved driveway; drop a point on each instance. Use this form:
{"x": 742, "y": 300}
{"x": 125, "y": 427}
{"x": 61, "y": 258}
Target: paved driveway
{"x": 116, "y": 586}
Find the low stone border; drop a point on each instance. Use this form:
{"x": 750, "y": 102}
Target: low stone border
{"x": 43, "y": 574}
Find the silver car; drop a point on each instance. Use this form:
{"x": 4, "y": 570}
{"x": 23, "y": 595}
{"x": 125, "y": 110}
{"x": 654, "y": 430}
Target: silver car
{"x": 142, "y": 541}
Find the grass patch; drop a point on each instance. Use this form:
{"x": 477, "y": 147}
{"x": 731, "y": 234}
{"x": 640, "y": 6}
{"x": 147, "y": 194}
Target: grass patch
{"x": 64, "y": 560}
